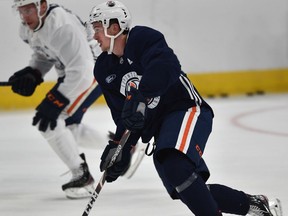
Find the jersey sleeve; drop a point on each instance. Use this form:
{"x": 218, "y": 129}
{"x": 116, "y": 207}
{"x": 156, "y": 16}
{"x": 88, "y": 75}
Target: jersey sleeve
{"x": 115, "y": 103}
{"x": 73, "y": 51}
{"x": 161, "y": 67}
{"x": 41, "y": 63}
{"x": 37, "y": 60}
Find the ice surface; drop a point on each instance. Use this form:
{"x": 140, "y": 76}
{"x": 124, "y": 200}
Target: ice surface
{"x": 247, "y": 150}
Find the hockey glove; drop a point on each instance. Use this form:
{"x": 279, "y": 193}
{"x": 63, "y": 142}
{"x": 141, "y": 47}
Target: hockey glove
{"x": 25, "y": 81}
{"x": 121, "y": 163}
{"x": 134, "y": 110}
{"x": 49, "y": 110}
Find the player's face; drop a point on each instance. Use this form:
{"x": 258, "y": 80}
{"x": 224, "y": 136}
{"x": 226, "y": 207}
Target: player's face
{"x": 99, "y": 36}
{"x": 29, "y": 15}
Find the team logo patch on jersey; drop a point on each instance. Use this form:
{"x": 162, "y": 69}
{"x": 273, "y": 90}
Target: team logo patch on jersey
{"x": 129, "y": 79}
{"x": 132, "y": 79}
{"x": 110, "y": 78}
{"x": 153, "y": 102}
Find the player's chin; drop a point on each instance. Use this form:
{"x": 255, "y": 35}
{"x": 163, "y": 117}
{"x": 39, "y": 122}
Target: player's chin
{"x": 31, "y": 25}
{"x": 104, "y": 49}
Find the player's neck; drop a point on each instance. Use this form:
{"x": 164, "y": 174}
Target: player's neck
{"x": 119, "y": 45}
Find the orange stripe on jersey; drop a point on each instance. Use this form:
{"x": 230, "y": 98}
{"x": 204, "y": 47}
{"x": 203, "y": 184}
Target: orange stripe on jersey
{"x": 187, "y": 128}
{"x": 76, "y": 102}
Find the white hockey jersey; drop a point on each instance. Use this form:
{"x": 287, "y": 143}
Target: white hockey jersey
{"x": 62, "y": 42}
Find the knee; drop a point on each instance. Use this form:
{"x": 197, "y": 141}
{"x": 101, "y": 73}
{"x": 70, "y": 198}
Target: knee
{"x": 58, "y": 130}
{"x": 177, "y": 167}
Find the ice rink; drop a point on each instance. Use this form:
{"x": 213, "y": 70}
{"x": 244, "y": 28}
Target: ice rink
{"x": 247, "y": 150}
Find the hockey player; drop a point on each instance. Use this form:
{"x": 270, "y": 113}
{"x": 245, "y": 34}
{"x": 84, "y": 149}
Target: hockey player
{"x": 149, "y": 94}
{"x": 58, "y": 38}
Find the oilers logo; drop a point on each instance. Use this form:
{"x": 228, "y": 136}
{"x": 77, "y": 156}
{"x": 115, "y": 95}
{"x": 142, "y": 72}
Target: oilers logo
{"x": 129, "y": 79}
{"x": 132, "y": 79}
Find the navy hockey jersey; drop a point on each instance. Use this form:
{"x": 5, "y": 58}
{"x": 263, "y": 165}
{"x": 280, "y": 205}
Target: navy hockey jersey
{"x": 151, "y": 66}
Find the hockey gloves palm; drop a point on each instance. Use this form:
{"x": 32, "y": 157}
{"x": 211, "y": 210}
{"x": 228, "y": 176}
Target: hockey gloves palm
{"x": 134, "y": 110}
{"x": 121, "y": 163}
{"x": 25, "y": 81}
{"x": 49, "y": 110}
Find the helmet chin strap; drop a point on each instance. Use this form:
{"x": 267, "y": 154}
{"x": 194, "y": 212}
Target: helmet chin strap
{"x": 40, "y": 17}
{"x": 112, "y": 37}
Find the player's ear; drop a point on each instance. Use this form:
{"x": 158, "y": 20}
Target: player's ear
{"x": 115, "y": 28}
{"x": 43, "y": 7}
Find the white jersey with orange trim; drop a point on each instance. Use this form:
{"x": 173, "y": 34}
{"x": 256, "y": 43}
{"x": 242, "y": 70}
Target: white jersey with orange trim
{"x": 62, "y": 42}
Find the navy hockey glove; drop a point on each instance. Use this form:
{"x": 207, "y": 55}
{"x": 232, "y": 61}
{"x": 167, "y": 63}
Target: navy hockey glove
{"x": 121, "y": 163}
{"x": 134, "y": 110}
{"x": 25, "y": 81}
{"x": 49, "y": 110}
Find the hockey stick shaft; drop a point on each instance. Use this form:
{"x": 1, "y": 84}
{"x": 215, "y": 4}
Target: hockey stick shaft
{"x": 101, "y": 183}
{"x": 5, "y": 83}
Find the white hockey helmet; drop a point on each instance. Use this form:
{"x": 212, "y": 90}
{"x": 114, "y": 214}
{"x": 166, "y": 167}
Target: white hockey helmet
{"x": 111, "y": 10}
{"x": 19, "y": 3}
{"x": 108, "y": 11}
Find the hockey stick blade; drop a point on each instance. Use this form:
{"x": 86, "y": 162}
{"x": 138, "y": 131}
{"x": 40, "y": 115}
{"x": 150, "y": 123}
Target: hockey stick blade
{"x": 5, "y": 83}
{"x": 100, "y": 184}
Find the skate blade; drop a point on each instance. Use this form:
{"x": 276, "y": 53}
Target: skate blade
{"x": 80, "y": 193}
{"x": 275, "y": 207}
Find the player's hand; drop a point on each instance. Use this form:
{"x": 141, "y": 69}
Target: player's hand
{"x": 134, "y": 110}
{"x": 25, "y": 81}
{"x": 49, "y": 110}
{"x": 121, "y": 163}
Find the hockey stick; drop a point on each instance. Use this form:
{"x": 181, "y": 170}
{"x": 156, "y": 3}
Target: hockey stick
{"x": 5, "y": 83}
{"x": 100, "y": 184}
